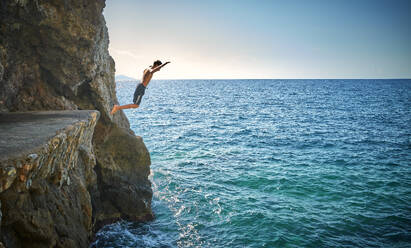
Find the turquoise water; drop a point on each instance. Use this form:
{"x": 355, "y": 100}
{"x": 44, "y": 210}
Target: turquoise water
{"x": 273, "y": 163}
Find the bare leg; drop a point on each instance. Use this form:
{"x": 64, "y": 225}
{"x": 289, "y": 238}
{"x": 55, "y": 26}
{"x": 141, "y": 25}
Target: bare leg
{"x": 127, "y": 106}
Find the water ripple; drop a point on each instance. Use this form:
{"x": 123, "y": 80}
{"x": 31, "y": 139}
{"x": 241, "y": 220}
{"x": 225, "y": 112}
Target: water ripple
{"x": 273, "y": 163}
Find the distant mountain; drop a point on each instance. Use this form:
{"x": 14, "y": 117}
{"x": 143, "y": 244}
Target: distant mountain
{"x": 123, "y": 78}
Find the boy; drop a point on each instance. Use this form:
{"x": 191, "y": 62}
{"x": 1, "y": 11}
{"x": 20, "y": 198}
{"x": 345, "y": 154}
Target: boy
{"x": 141, "y": 88}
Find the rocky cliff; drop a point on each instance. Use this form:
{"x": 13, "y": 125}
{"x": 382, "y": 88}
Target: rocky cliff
{"x": 54, "y": 56}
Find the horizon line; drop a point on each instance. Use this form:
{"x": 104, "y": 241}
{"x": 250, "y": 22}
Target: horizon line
{"x": 272, "y": 79}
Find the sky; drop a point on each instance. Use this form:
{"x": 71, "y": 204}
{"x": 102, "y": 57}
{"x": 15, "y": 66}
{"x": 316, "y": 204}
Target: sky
{"x": 261, "y": 39}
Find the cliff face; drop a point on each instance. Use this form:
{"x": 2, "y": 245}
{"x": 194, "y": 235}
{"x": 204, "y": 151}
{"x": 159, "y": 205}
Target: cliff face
{"x": 53, "y": 56}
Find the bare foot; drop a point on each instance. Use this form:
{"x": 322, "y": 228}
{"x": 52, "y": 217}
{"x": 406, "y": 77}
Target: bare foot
{"x": 114, "y": 110}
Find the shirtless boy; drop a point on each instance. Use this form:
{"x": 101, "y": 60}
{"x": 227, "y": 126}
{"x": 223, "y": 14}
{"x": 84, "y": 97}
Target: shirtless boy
{"x": 141, "y": 88}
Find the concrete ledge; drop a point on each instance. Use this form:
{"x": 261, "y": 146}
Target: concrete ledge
{"x": 22, "y": 133}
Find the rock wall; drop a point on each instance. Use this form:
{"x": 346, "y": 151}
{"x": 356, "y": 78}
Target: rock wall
{"x": 54, "y": 56}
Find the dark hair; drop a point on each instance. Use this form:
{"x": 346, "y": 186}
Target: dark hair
{"x": 157, "y": 63}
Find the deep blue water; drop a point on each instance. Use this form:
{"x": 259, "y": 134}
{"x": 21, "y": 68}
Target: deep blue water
{"x": 273, "y": 163}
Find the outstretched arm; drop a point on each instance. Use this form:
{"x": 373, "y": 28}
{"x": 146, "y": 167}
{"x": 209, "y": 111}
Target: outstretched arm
{"x": 157, "y": 68}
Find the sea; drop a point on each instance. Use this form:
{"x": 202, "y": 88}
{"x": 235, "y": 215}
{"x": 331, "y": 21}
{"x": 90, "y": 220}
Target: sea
{"x": 273, "y": 163}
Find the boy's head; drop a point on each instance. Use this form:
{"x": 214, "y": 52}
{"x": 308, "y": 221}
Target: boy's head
{"x": 157, "y": 63}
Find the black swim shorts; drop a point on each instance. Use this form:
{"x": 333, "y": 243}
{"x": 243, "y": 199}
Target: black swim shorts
{"x": 138, "y": 94}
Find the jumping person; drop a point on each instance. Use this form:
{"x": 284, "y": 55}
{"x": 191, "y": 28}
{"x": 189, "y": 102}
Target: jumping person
{"x": 141, "y": 87}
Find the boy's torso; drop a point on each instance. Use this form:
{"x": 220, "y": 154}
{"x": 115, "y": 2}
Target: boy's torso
{"x": 147, "y": 75}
